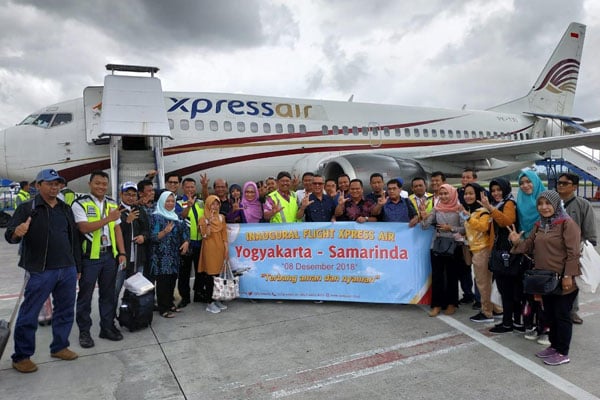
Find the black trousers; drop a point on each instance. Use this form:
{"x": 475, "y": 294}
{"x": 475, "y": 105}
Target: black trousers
{"x": 557, "y": 311}
{"x": 165, "y": 286}
{"x": 204, "y": 288}
{"x": 511, "y": 290}
{"x": 444, "y": 278}
{"x": 189, "y": 262}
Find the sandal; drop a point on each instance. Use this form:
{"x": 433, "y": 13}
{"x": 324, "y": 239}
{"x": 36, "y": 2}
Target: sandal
{"x": 175, "y": 309}
{"x": 167, "y": 314}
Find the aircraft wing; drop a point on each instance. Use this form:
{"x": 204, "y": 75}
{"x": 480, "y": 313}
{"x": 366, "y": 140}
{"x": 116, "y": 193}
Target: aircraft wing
{"x": 512, "y": 150}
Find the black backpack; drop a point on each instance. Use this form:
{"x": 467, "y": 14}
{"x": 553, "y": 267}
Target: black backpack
{"x": 136, "y": 312}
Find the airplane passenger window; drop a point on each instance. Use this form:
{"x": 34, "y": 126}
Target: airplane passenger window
{"x": 184, "y": 124}
{"x": 495, "y": 134}
{"x": 345, "y": 130}
{"x": 365, "y": 131}
{"x": 335, "y": 130}
{"x": 43, "y": 120}
{"x": 62, "y": 119}
{"x": 474, "y": 134}
{"x": 425, "y": 133}
{"x": 214, "y": 126}
{"x": 324, "y": 130}
{"x": 480, "y": 134}
{"x": 417, "y": 132}
{"x": 442, "y": 133}
{"x": 278, "y": 128}
{"x": 406, "y": 132}
{"x": 302, "y": 128}
{"x": 398, "y": 132}
{"x": 386, "y": 131}
{"x": 355, "y": 130}
{"x": 266, "y": 127}
{"x": 488, "y": 134}
{"x": 375, "y": 131}
{"x": 171, "y": 124}
{"x": 227, "y": 126}
{"x": 290, "y": 128}
{"x": 199, "y": 124}
{"x": 466, "y": 133}
{"x": 241, "y": 127}
{"x": 527, "y": 136}
{"x": 458, "y": 135}
{"x": 254, "y": 127}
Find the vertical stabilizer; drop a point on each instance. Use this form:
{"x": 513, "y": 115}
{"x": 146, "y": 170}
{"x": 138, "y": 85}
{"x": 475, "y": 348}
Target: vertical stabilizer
{"x": 554, "y": 89}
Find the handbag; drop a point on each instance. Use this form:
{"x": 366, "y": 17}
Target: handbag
{"x": 226, "y": 286}
{"x": 590, "y": 269}
{"x": 505, "y": 264}
{"x": 444, "y": 246}
{"x": 539, "y": 281}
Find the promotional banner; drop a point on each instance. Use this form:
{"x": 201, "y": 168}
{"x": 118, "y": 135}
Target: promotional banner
{"x": 342, "y": 261}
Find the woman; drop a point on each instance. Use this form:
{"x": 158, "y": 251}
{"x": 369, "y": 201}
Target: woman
{"x": 444, "y": 272}
{"x": 477, "y": 227}
{"x": 530, "y": 187}
{"x": 213, "y": 253}
{"x": 555, "y": 242}
{"x": 169, "y": 238}
{"x": 503, "y": 210}
{"x": 250, "y": 206}
{"x": 235, "y": 197}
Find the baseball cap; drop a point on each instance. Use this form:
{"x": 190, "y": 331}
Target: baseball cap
{"x": 48, "y": 175}
{"x": 128, "y": 185}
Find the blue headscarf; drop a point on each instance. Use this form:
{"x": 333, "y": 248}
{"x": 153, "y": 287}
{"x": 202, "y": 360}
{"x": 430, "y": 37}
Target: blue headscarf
{"x": 160, "y": 207}
{"x": 527, "y": 203}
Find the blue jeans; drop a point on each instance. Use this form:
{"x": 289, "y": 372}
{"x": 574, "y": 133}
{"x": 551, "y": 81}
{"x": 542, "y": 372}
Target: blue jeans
{"x": 104, "y": 271}
{"x": 61, "y": 283}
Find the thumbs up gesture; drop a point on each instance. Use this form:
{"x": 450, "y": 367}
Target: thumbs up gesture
{"x": 21, "y": 229}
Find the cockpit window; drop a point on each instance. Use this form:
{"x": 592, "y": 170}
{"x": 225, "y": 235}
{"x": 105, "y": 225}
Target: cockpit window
{"x": 62, "y": 119}
{"x": 29, "y": 120}
{"x": 43, "y": 120}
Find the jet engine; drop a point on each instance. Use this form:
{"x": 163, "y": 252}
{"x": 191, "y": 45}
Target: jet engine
{"x": 361, "y": 166}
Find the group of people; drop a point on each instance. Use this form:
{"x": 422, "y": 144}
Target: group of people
{"x": 170, "y": 236}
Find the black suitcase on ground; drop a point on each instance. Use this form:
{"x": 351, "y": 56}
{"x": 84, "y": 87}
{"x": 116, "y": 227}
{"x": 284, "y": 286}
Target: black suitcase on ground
{"x": 136, "y": 312}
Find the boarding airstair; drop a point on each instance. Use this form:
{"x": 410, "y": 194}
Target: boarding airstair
{"x": 133, "y": 116}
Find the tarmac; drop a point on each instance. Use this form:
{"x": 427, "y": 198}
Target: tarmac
{"x": 302, "y": 350}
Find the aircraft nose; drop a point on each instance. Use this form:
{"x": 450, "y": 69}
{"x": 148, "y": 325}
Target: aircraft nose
{"x": 3, "y": 166}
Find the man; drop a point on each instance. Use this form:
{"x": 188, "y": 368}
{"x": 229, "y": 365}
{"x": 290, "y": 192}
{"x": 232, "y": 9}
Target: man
{"x": 394, "y": 208}
{"x": 66, "y": 194}
{"x": 438, "y": 178}
{"x": 307, "y": 179}
{"x": 343, "y": 184}
{"x": 23, "y": 194}
{"x": 193, "y": 210}
{"x": 172, "y": 183}
{"x": 354, "y": 208}
{"x": 377, "y": 187}
{"x": 51, "y": 255}
{"x": 271, "y": 184}
{"x": 582, "y": 212}
{"x": 421, "y": 200}
{"x": 317, "y": 207}
{"x": 468, "y": 176}
{"x": 146, "y": 194}
{"x": 98, "y": 219}
{"x": 135, "y": 227}
{"x": 221, "y": 190}
{"x": 281, "y": 205}
{"x": 331, "y": 187}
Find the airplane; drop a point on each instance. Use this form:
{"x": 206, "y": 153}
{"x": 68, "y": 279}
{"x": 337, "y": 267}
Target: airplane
{"x": 245, "y": 137}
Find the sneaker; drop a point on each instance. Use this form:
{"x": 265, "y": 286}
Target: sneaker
{"x": 543, "y": 339}
{"x": 497, "y": 315}
{"x": 501, "y": 329}
{"x": 25, "y": 366}
{"x": 481, "y": 317}
{"x": 220, "y": 305}
{"x": 531, "y": 334}
{"x": 213, "y": 308}
{"x": 476, "y": 305}
{"x": 548, "y": 352}
{"x": 65, "y": 354}
{"x": 556, "y": 359}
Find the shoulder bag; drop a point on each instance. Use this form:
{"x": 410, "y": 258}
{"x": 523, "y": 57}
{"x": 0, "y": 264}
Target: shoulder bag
{"x": 226, "y": 286}
{"x": 444, "y": 246}
{"x": 539, "y": 281}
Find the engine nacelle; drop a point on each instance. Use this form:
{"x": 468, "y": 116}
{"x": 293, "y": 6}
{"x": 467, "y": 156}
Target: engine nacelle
{"x": 361, "y": 166}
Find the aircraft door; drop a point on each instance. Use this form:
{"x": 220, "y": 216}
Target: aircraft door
{"x": 375, "y": 134}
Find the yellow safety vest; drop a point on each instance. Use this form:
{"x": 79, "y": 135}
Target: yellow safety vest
{"x": 193, "y": 218}
{"x": 93, "y": 214}
{"x": 290, "y": 208}
{"x": 22, "y": 197}
{"x": 428, "y": 199}
{"x": 68, "y": 195}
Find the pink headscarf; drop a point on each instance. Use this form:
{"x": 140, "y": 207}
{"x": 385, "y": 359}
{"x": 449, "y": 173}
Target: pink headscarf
{"x": 253, "y": 211}
{"x": 452, "y": 204}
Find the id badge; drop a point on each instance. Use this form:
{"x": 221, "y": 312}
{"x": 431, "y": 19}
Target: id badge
{"x": 104, "y": 240}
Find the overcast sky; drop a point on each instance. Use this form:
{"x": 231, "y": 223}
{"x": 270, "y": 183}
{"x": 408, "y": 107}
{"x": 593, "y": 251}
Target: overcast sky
{"x": 441, "y": 53}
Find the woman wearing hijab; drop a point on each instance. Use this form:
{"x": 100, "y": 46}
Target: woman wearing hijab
{"x": 477, "y": 226}
{"x": 213, "y": 253}
{"x": 555, "y": 242}
{"x": 503, "y": 210}
{"x": 251, "y": 207}
{"x": 169, "y": 238}
{"x": 444, "y": 272}
{"x": 530, "y": 187}
{"x": 235, "y": 197}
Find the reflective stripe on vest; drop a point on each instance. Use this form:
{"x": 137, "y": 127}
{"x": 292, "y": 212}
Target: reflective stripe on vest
{"x": 290, "y": 208}
{"x": 96, "y": 239}
{"x": 192, "y": 221}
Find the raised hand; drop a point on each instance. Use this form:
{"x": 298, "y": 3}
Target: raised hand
{"x": 114, "y": 214}
{"x": 341, "y": 199}
{"x": 204, "y": 179}
{"x": 21, "y": 229}
{"x": 514, "y": 236}
{"x": 236, "y": 203}
{"x": 382, "y": 199}
{"x": 485, "y": 202}
{"x": 169, "y": 227}
{"x": 306, "y": 202}
{"x": 132, "y": 216}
